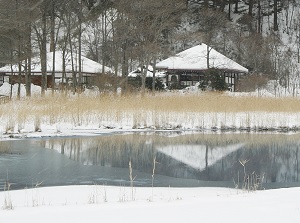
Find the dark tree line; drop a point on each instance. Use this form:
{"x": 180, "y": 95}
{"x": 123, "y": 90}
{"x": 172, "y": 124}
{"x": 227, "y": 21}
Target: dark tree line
{"x": 136, "y": 33}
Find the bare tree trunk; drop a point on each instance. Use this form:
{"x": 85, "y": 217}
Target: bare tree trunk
{"x": 19, "y": 55}
{"x": 144, "y": 76}
{"x": 52, "y": 27}
{"x": 124, "y": 71}
{"x": 236, "y": 7}
{"x": 259, "y": 28}
{"x": 44, "y": 52}
{"x": 229, "y": 11}
{"x": 74, "y": 78}
{"x": 53, "y": 72}
{"x": 52, "y": 43}
{"x": 28, "y": 64}
{"x": 275, "y": 16}
{"x": 154, "y": 78}
{"x": 207, "y": 56}
{"x": 12, "y": 73}
{"x": 64, "y": 82}
{"x": 79, "y": 62}
{"x": 20, "y": 68}
{"x": 19, "y": 79}
{"x": 104, "y": 37}
{"x": 250, "y": 12}
{"x": 79, "y": 48}
{"x": 206, "y": 2}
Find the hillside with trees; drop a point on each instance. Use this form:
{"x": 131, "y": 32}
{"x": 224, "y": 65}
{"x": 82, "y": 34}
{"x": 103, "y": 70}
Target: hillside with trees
{"x": 124, "y": 35}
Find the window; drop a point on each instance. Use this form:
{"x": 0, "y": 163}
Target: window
{"x": 1, "y": 79}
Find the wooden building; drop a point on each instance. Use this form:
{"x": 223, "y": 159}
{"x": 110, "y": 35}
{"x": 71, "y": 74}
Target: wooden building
{"x": 63, "y": 70}
{"x": 189, "y": 67}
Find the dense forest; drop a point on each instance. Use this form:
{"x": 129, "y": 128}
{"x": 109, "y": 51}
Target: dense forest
{"x": 262, "y": 35}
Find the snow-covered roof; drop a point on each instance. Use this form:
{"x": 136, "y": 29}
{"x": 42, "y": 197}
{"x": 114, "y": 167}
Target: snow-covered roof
{"x": 195, "y": 58}
{"x": 149, "y": 73}
{"x": 88, "y": 66}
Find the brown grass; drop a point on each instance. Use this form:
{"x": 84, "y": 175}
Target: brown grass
{"x": 212, "y": 102}
{"x": 163, "y": 110}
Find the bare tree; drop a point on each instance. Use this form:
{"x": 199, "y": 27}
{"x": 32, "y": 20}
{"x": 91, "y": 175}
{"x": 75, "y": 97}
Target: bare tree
{"x": 147, "y": 21}
{"x": 16, "y": 17}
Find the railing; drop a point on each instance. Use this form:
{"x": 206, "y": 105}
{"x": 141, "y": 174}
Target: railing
{"x": 4, "y": 99}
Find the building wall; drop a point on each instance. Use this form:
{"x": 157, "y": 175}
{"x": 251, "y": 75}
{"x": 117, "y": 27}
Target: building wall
{"x": 190, "y": 78}
{"x": 35, "y": 79}
{"x": 1, "y": 79}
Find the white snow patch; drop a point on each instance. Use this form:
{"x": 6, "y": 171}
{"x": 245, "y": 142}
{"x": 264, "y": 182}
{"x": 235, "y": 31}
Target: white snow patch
{"x": 78, "y": 204}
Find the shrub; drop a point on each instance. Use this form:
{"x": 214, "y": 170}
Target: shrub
{"x": 213, "y": 80}
{"x": 136, "y": 82}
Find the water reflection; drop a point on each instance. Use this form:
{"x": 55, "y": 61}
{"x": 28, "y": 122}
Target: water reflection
{"x": 216, "y": 157}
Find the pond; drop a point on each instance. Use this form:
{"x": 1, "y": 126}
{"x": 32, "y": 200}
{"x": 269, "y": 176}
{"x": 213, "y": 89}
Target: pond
{"x": 175, "y": 159}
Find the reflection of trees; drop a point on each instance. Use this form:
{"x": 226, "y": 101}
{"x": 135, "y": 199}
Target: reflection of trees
{"x": 113, "y": 151}
{"x": 277, "y": 159}
{"x": 278, "y": 163}
{"x": 5, "y": 147}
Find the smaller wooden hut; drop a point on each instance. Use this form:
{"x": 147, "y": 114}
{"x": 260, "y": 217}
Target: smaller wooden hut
{"x": 190, "y": 67}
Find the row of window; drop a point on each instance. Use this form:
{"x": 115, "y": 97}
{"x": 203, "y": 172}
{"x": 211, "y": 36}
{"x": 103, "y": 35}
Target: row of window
{"x": 190, "y": 78}
{"x": 186, "y": 79}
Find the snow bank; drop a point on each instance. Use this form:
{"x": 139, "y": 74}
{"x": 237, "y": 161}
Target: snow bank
{"x": 78, "y": 204}
{"x": 6, "y": 89}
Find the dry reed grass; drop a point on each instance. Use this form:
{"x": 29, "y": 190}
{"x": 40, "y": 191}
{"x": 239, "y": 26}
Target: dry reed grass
{"x": 161, "y": 111}
{"x": 208, "y": 102}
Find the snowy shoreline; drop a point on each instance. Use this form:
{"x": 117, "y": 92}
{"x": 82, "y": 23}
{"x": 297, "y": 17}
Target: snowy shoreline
{"x": 116, "y": 204}
{"x": 69, "y": 131}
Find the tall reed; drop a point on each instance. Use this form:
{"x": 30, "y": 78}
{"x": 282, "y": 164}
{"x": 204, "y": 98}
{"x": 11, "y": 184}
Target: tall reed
{"x": 163, "y": 111}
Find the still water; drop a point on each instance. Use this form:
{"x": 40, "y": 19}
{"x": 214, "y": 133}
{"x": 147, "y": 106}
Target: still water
{"x": 176, "y": 159}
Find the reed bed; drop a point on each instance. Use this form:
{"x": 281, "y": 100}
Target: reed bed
{"x": 208, "y": 102}
{"x": 162, "y": 111}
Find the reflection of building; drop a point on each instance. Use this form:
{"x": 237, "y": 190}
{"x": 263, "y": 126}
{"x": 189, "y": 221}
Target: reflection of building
{"x": 64, "y": 69}
{"x": 189, "y": 67}
{"x": 199, "y": 157}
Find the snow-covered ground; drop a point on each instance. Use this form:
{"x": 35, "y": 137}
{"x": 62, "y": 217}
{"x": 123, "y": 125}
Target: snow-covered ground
{"x": 117, "y": 204}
